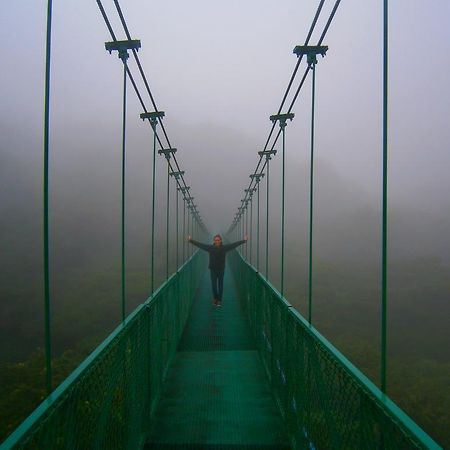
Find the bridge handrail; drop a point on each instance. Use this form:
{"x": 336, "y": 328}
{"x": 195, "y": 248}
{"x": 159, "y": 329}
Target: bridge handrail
{"x": 309, "y": 377}
{"x": 53, "y": 423}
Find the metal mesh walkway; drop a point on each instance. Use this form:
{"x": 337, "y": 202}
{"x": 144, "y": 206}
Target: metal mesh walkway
{"x": 216, "y": 396}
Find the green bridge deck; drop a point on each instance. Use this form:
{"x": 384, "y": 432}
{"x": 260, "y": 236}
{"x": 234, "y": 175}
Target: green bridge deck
{"x": 216, "y": 395}
{"x": 251, "y": 375}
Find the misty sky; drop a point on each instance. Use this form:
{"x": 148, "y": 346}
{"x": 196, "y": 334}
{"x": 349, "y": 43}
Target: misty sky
{"x": 219, "y": 70}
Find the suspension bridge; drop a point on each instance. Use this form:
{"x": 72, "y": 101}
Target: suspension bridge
{"x": 179, "y": 373}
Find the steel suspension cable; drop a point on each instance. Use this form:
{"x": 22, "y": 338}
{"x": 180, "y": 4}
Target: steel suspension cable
{"x": 108, "y": 24}
{"x": 105, "y": 18}
{"x": 130, "y": 75}
{"x": 297, "y": 65}
{"x": 316, "y": 17}
{"x": 329, "y": 21}
{"x": 144, "y": 78}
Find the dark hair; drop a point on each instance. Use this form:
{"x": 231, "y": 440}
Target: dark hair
{"x": 218, "y": 236}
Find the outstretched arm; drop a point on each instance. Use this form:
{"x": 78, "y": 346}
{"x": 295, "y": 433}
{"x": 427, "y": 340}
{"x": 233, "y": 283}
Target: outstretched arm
{"x": 199, "y": 244}
{"x": 232, "y": 246}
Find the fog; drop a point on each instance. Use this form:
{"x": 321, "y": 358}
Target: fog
{"x": 219, "y": 70}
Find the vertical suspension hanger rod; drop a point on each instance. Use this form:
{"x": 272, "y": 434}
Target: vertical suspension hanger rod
{"x": 47, "y": 300}
{"x": 268, "y": 155}
{"x": 385, "y": 200}
{"x": 153, "y": 118}
{"x": 311, "y": 53}
{"x": 257, "y": 178}
{"x": 177, "y": 176}
{"x": 122, "y": 48}
{"x": 282, "y": 119}
{"x": 167, "y": 152}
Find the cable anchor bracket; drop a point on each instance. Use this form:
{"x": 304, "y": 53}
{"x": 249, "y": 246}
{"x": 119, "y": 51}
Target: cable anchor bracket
{"x": 282, "y": 118}
{"x": 177, "y": 175}
{"x": 167, "y": 152}
{"x": 122, "y": 47}
{"x": 311, "y": 52}
{"x": 267, "y": 154}
{"x": 256, "y": 177}
{"x": 152, "y": 117}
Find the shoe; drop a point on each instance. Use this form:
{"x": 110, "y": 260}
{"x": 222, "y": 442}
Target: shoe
{"x": 219, "y": 303}
{"x": 215, "y": 302}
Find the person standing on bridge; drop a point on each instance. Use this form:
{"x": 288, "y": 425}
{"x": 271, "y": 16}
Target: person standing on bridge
{"x": 217, "y": 252}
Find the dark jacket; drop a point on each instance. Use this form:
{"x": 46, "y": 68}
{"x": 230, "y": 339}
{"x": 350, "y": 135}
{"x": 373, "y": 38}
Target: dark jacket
{"x": 217, "y": 254}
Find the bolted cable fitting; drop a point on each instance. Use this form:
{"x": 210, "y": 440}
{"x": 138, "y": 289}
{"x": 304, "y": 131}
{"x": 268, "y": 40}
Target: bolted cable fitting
{"x": 122, "y": 47}
{"x": 167, "y": 152}
{"x": 267, "y": 154}
{"x": 282, "y": 118}
{"x": 152, "y": 117}
{"x": 311, "y": 52}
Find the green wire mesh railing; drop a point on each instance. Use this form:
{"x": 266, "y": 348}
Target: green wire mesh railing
{"x": 325, "y": 401}
{"x": 108, "y": 401}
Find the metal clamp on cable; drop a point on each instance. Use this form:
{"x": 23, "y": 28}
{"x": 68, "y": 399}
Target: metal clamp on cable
{"x": 177, "y": 175}
{"x": 282, "y": 118}
{"x": 311, "y": 52}
{"x": 167, "y": 152}
{"x": 122, "y": 47}
{"x": 257, "y": 177}
{"x": 152, "y": 117}
{"x": 267, "y": 154}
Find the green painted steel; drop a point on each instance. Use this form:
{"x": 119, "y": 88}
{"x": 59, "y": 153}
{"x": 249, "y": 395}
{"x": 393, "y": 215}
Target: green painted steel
{"x": 48, "y": 339}
{"x": 283, "y": 202}
{"x": 385, "y": 202}
{"x": 311, "y": 194}
{"x": 216, "y": 394}
{"x": 124, "y": 56}
{"x": 257, "y": 232}
{"x": 167, "y": 219}
{"x": 177, "y": 232}
{"x": 111, "y": 401}
{"x": 154, "y": 124}
{"x": 267, "y": 218}
{"x": 107, "y": 402}
{"x": 325, "y": 401}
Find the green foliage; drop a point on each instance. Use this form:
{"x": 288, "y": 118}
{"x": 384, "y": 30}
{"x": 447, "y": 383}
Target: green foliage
{"x": 346, "y": 311}
{"x": 23, "y": 385}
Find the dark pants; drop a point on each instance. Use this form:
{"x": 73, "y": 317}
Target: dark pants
{"x": 217, "y": 283}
